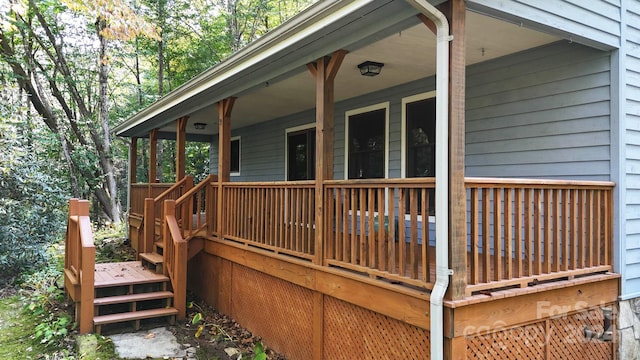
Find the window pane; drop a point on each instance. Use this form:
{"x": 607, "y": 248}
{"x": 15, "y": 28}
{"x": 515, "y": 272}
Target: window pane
{"x": 235, "y": 156}
{"x": 367, "y": 145}
{"x": 421, "y": 140}
{"x": 301, "y": 155}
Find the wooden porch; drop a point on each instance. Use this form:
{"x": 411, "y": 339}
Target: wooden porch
{"x": 519, "y": 232}
{"x": 528, "y": 242}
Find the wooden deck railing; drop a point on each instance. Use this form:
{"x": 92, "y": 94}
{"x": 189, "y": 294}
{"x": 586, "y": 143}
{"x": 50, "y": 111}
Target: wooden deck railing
{"x": 140, "y": 191}
{"x": 381, "y": 228}
{"x": 278, "y": 216}
{"x": 520, "y": 232}
{"x": 192, "y": 211}
{"x": 527, "y": 231}
{"x": 79, "y": 262}
{"x": 153, "y": 211}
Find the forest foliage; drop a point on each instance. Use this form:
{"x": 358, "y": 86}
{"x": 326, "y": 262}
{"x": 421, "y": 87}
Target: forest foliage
{"x": 70, "y": 71}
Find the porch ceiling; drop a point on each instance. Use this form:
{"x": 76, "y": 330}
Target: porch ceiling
{"x": 407, "y": 51}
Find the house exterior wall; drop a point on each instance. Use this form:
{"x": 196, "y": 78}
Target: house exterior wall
{"x": 627, "y": 172}
{"x": 594, "y": 22}
{"x": 539, "y": 113}
{"x": 542, "y": 113}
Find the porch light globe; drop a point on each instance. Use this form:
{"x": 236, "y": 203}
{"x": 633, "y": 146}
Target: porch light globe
{"x": 370, "y": 68}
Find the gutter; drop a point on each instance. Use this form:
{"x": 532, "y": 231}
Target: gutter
{"x": 442, "y": 175}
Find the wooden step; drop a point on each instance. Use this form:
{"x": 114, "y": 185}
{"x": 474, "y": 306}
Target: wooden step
{"x": 126, "y": 273}
{"x": 120, "y": 299}
{"x": 133, "y": 315}
{"x": 159, "y": 244}
{"x": 152, "y": 258}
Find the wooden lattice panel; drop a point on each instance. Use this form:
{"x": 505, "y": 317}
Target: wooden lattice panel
{"x": 279, "y": 311}
{"x": 352, "y": 332}
{"x": 567, "y": 340}
{"x": 526, "y": 342}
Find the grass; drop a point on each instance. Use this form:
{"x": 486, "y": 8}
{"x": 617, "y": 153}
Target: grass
{"x": 16, "y": 330}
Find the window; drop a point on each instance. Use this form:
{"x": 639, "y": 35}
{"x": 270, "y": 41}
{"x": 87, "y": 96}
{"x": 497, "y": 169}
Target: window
{"x": 301, "y": 154}
{"x": 420, "y": 138}
{"x": 234, "y": 167}
{"x": 366, "y": 144}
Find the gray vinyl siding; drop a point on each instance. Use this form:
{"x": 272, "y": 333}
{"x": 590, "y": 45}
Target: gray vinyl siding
{"x": 542, "y": 113}
{"x": 591, "y": 22}
{"x": 630, "y": 104}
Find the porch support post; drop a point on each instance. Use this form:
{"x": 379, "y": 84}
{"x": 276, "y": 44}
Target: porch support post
{"x": 454, "y": 10}
{"x": 133, "y": 160}
{"x": 153, "y": 148}
{"x": 224, "y": 154}
{"x": 181, "y": 134}
{"x": 324, "y": 71}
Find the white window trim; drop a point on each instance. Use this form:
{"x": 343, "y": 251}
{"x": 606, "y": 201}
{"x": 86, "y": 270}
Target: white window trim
{"x": 234, "y": 138}
{"x": 286, "y": 144}
{"x": 385, "y": 106}
{"x": 403, "y": 133}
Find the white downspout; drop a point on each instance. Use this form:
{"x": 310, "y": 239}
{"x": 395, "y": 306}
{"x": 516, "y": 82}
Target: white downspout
{"x": 442, "y": 175}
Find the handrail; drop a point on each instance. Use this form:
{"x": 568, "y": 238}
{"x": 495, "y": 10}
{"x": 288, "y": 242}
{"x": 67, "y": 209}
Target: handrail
{"x": 175, "y": 257}
{"x": 167, "y": 192}
{"x": 79, "y": 266}
{"x": 482, "y": 181}
{"x": 192, "y": 204}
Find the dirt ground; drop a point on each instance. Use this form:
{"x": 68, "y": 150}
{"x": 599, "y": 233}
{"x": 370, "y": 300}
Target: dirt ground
{"x": 219, "y": 332}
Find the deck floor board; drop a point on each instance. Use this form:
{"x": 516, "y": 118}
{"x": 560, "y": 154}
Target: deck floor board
{"x": 124, "y": 273}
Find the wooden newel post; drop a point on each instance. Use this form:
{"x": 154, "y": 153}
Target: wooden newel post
{"x": 87, "y": 268}
{"x": 175, "y": 258}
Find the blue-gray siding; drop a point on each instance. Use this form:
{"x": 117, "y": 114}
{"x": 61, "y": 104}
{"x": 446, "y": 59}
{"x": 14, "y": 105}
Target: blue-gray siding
{"x": 539, "y": 113}
{"x": 630, "y": 113}
{"x": 542, "y": 113}
{"x": 591, "y": 22}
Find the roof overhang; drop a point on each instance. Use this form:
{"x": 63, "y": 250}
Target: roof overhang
{"x": 270, "y": 78}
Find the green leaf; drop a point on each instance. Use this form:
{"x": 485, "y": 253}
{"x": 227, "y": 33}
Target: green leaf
{"x": 196, "y": 318}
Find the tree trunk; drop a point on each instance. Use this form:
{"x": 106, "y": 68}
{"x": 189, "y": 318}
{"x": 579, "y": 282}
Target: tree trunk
{"x": 112, "y": 207}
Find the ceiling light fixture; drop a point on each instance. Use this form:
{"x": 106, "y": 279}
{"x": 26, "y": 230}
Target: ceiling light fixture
{"x": 199, "y": 126}
{"x": 370, "y": 68}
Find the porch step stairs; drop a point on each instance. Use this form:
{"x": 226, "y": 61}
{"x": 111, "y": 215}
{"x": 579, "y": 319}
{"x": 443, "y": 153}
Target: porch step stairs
{"x": 128, "y": 292}
{"x": 153, "y": 261}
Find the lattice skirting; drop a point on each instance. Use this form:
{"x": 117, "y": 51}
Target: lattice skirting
{"x": 352, "y": 332}
{"x": 554, "y": 338}
{"x": 282, "y": 314}
{"x": 278, "y": 311}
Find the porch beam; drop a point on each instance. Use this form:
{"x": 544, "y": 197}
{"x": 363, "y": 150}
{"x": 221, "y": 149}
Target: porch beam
{"x": 181, "y": 135}
{"x": 425, "y": 20}
{"x": 225, "y": 107}
{"x": 454, "y": 10}
{"x": 153, "y": 148}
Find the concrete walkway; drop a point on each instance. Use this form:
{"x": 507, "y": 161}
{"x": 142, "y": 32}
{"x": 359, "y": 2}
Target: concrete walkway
{"x": 158, "y": 343}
